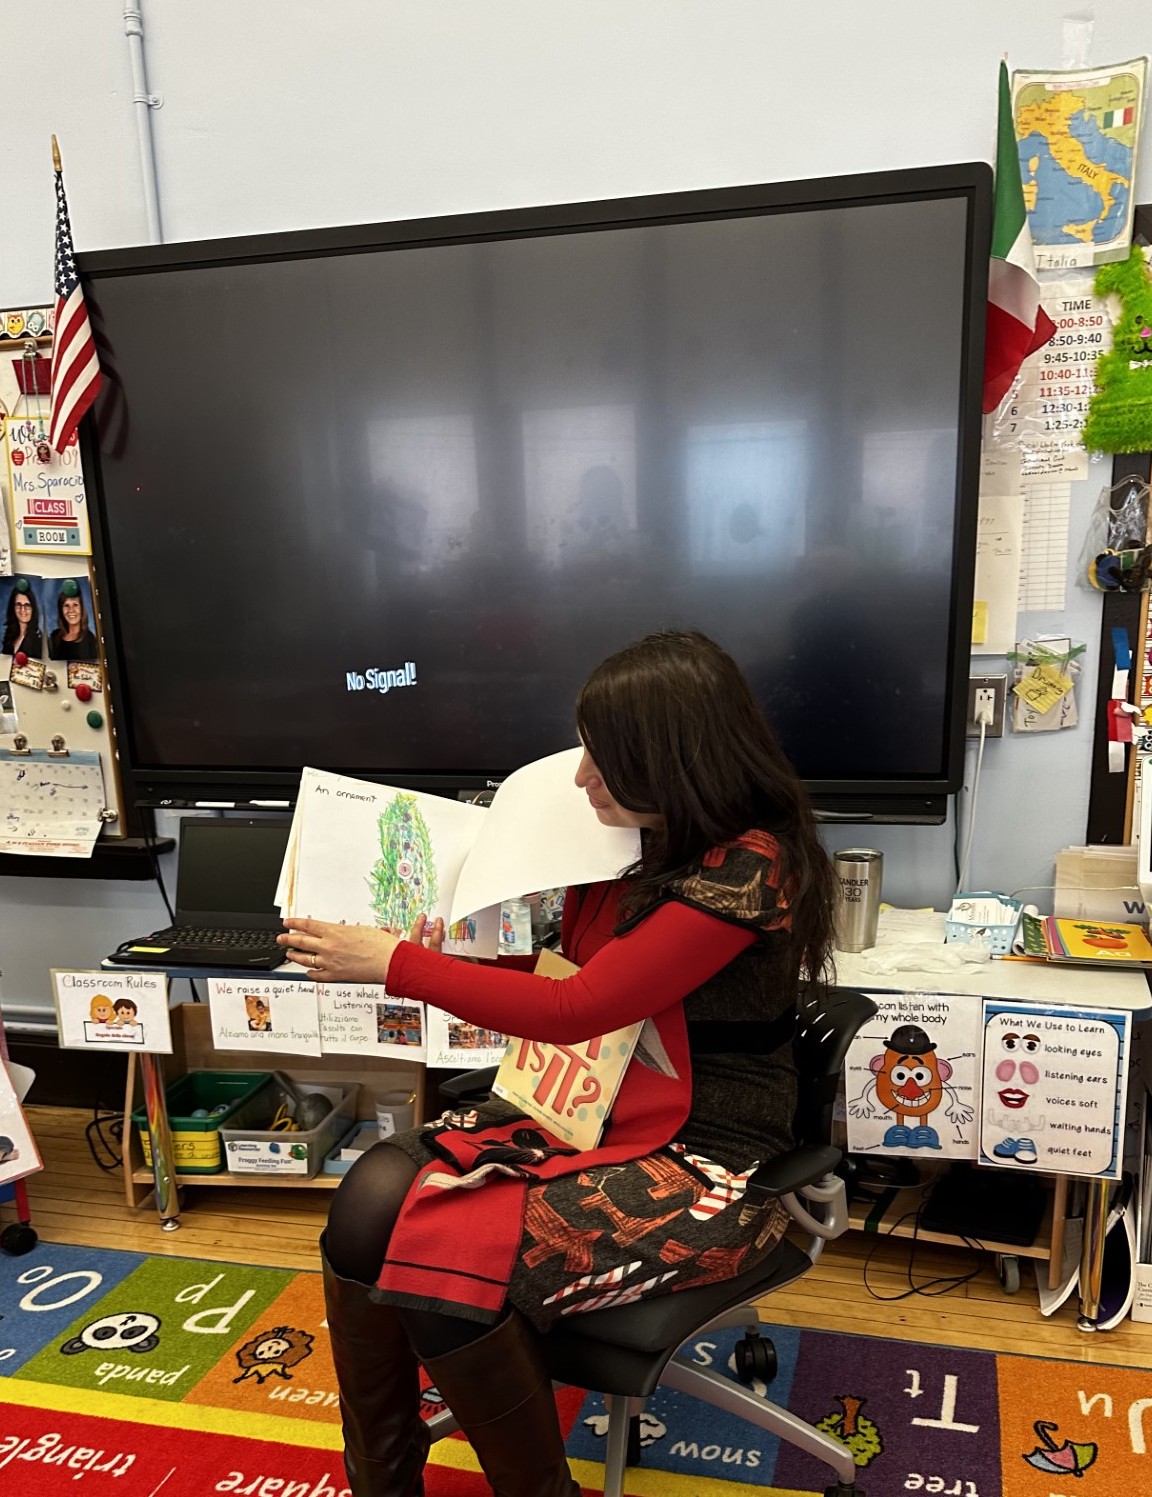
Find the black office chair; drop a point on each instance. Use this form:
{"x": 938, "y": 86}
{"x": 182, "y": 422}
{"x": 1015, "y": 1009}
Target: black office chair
{"x": 626, "y": 1353}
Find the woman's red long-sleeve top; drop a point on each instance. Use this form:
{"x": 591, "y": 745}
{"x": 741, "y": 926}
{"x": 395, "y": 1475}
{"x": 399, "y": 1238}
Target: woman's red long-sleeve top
{"x": 622, "y": 978}
{"x": 723, "y": 945}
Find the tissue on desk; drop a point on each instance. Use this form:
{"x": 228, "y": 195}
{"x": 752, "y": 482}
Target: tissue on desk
{"x": 884, "y": 961}
{"x": 913, "y": 941}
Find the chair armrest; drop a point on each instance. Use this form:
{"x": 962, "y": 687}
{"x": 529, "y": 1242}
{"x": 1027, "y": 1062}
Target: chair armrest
{"x": 792, "y": 1171}
{"x": 468, "y": 1086}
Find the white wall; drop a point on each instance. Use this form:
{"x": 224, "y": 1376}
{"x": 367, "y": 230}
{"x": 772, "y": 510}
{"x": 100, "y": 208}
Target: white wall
{"x": 282, "y": 114}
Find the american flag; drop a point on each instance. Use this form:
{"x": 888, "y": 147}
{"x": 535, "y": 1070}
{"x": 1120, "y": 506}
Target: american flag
{"x": 75, "y": 367}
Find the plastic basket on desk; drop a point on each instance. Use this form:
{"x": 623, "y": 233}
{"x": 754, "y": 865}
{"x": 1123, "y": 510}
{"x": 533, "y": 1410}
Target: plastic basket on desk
{"x": 998, "y": 938}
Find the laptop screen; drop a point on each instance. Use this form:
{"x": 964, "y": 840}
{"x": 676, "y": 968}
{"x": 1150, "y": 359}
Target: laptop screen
{"x": 229, "y": 870}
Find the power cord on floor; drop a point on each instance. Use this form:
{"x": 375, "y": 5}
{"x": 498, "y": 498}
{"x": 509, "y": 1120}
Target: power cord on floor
{"x": 94, "y": 1132}
{"x": 930, "y": 1288}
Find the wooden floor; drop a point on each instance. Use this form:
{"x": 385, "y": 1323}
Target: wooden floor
{"x": 74, "y": 1201}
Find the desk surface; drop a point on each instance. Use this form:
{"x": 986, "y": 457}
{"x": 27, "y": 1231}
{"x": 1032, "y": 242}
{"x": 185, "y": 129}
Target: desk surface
{"x": 286, "y": 972}
{"x": 1032, "y": 982}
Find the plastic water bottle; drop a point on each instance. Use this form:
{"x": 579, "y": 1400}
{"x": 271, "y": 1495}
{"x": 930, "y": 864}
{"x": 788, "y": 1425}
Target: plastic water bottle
{"x": 516, "y": 928}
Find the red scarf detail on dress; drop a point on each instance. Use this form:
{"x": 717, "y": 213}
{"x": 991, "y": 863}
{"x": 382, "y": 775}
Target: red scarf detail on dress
{"x": 453, "y": 1250}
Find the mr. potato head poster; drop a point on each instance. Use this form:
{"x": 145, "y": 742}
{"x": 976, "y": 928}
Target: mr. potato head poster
{"x": 912, "y": 1077}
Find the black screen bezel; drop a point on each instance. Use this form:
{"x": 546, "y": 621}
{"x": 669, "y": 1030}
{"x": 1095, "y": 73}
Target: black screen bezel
{"x": 919, "y": 799}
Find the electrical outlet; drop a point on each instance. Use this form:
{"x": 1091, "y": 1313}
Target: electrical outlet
{"x": 987, "y": 697}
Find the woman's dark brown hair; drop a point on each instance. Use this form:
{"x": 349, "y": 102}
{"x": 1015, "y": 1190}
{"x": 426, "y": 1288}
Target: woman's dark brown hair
{"x": 675, "y": 731}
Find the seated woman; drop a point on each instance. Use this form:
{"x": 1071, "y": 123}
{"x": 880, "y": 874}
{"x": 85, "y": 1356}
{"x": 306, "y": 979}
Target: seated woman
{"x": 705, "y": 938}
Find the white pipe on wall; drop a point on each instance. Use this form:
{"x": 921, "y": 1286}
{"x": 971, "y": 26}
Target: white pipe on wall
{"x": 145, "y": 103}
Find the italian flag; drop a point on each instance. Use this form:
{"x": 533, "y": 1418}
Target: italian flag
{"x": 1017, "y": 323}
{"x": 1113, "y": 118}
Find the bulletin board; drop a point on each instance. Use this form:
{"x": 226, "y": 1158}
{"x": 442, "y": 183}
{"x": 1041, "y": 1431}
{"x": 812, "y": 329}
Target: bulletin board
{"x": 44, "y": 536}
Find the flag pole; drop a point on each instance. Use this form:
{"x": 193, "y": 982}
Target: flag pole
{"x": 75, "y": 365}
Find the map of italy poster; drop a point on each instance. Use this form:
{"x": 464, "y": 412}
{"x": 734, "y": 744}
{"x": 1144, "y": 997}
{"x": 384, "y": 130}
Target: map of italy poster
{"x": 1077, "y": 134}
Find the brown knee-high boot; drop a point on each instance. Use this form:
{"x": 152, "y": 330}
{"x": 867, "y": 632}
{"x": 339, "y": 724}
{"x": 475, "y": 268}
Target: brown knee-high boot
{"x": 499, "y": 1390}
{"x": 385, "y": 1441}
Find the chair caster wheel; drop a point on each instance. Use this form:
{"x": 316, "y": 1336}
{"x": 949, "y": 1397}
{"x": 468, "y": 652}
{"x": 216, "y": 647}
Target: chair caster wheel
{"x": 755, "y": 1359}
{"x": 18, "y": 1239}
{"x": 1009, "y": 1270}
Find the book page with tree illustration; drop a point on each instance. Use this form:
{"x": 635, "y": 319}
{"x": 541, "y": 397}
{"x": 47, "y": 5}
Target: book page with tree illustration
{"x": 374, "y": 855}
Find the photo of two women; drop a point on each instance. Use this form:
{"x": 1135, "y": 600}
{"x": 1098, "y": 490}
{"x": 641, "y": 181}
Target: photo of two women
{"x": 56, "y": 611}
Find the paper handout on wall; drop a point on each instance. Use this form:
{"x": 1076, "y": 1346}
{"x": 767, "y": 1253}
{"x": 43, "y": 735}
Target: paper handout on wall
{"x": 456, "y": 1045}
{"x": 264, "y": 1014}
{"x": 377, "y": 855}
{"x": 912, "y": 1077}
{"x": 1053, "y": 1088}
{"x": 113, "y": 1011}
{"x": 364, "y": 1019}
{"x": 18, "y": 1153}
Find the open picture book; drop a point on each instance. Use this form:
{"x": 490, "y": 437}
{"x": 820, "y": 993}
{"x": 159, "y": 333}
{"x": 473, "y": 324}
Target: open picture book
{"x": 368, "y": 854}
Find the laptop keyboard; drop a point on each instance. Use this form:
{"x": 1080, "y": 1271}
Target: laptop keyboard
{"x": 190, "y": 935}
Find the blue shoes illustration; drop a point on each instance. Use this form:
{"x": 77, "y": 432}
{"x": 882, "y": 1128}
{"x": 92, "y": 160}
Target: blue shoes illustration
{"x": 1022, "y": 1150}
{"x": 923, "y": 1137}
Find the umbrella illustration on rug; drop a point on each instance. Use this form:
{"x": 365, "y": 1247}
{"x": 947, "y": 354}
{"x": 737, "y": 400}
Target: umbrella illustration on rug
{"x": 1072, "y": 1457}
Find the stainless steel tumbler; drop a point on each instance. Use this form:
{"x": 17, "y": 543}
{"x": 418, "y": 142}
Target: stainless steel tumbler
{"x": 859, "y": 874}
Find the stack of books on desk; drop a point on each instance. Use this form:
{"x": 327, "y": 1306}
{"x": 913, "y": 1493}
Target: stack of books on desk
{"x": 1092, "y": 943}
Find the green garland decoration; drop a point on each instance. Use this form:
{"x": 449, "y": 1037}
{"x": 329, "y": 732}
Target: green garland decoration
{"x": 1120, "y": 412}
{"x": 403, "y": 880}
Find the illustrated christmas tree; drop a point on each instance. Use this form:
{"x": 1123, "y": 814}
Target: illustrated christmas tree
{"x": 403, "y": 879}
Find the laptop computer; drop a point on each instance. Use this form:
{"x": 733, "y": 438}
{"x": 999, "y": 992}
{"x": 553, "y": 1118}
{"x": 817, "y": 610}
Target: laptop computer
{"x": 225, "y": 890}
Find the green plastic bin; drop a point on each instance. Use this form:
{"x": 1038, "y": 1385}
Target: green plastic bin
{"x": 196, "y": 1145}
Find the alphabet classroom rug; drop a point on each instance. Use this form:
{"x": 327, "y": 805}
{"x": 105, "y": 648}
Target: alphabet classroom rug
{"x": 143, "y": 1376}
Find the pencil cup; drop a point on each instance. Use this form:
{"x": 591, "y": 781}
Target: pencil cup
{"x": 395, "y": 1111}
{"x": 859, "y": 873}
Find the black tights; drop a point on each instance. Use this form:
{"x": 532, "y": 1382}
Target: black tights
{"x": 360, "y": 1221}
